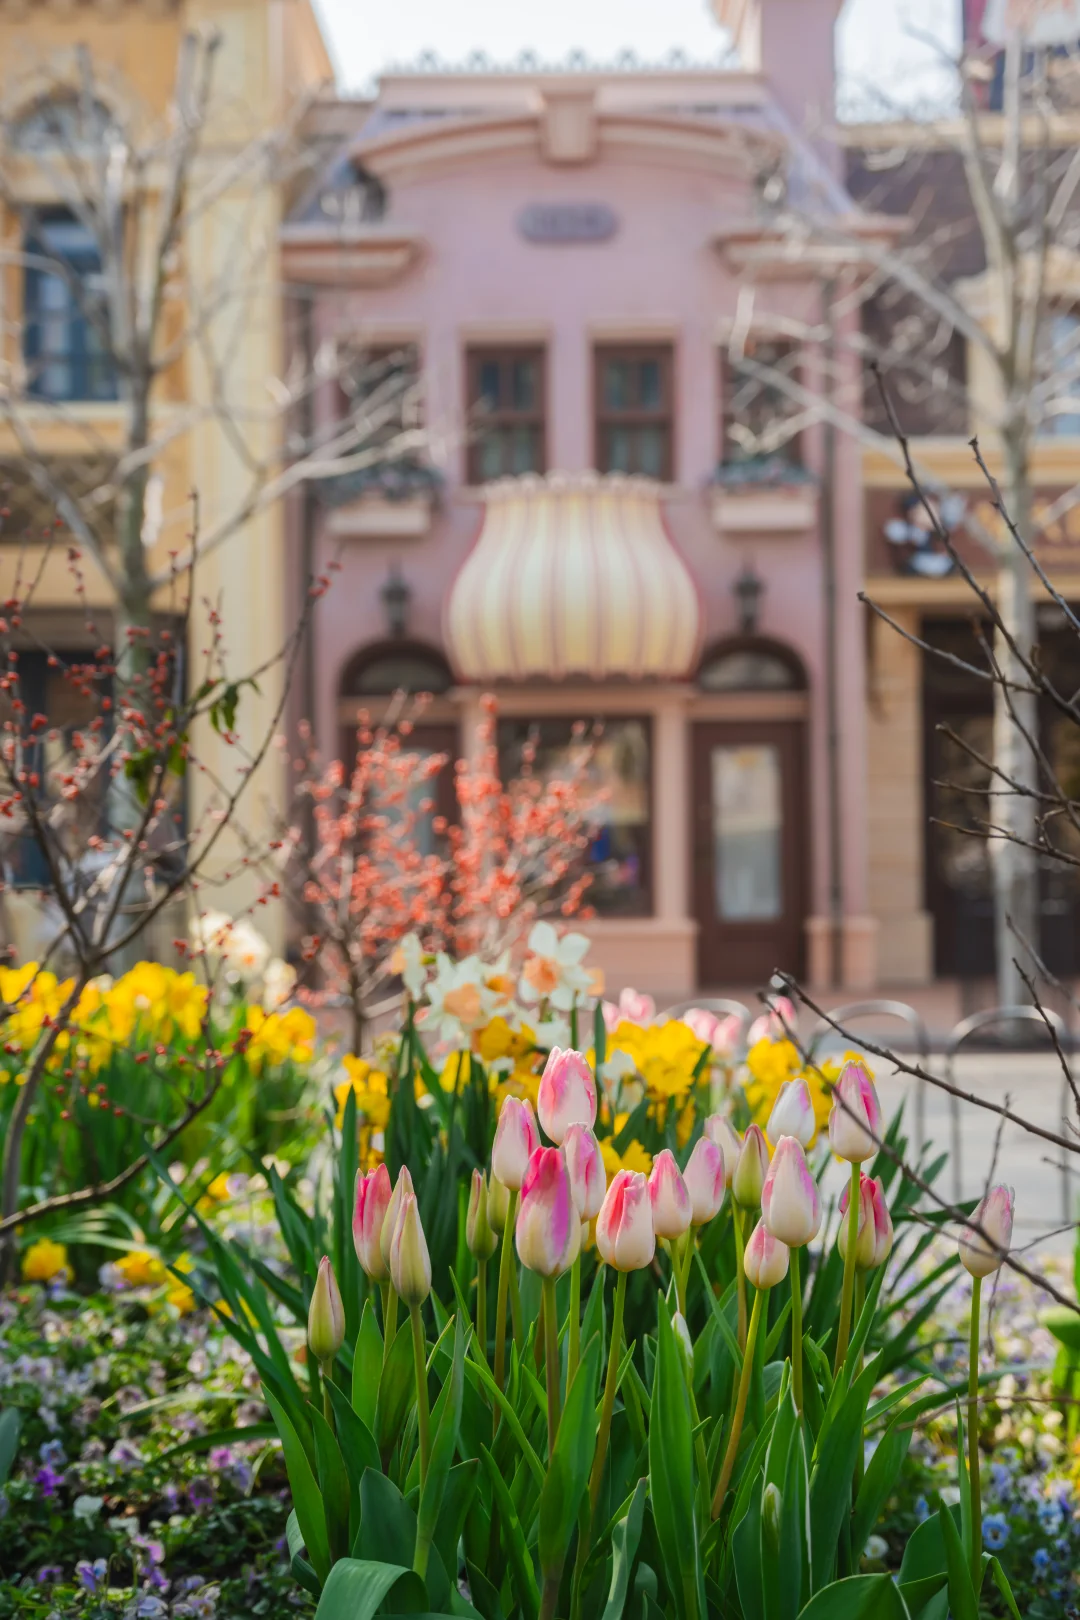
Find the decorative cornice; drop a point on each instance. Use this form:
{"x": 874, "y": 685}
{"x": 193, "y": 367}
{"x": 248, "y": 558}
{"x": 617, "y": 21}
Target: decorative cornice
{"x": 528, "y": 63}
{"x": 361, "y": 256}
{"x": 19, "y": 10}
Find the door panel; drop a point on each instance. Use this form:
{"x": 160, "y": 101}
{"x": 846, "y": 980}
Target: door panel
{"x": 749, "y": 878}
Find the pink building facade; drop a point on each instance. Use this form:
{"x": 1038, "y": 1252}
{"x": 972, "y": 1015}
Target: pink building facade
{"x": 579, "y": 267}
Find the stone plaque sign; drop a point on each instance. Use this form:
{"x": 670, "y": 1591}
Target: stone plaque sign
{"x": 567, "y": 222}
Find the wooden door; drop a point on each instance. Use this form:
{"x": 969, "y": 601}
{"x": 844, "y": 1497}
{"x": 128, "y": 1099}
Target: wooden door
{"x": 749, "y": 850}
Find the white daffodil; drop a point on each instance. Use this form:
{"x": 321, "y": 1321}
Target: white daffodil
{"x": 553, "y": 970}
{"x": 457, "y": 1000}
{"x": 245, "y": 952}
{"x": 408, "y": 962}
{"x": 279, "y": 982}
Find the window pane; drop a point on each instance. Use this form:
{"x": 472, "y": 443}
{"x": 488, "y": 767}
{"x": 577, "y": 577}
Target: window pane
{"x": 524, "y": 385}
{"x": 619, "y": 450}
{"x": 651, "y": 394}
{"x": 489, "y": 384}
{"x": 650, "y": 452}
{"x": 746, "y": 833}
{"x": 524, "y": 445}
{"x": 490, "y": 459}
{"x": 746, "y": 671}
{"x": 616, "y": 390}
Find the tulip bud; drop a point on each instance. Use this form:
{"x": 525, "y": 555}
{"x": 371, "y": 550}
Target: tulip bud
{"x": 995, "y": 1216}
{"x": 855, "y": 1121}
{"x": 548, "y": 1229}
{"x": 478, "y": 1234}
{"x": 792, "y": 1114}
{"x": 719, "y": 1129}
{"x": 875, "y": 1233}
{"x": 326, "y": 1315}
{"x": 410, "y": 1263}
{"x": 567, "y": 1094}
{"x": 751, "y": 1169}
{"x": 789, "y": 1198}
{"x": 765, "y": 1261}
{"x": 588, "y": 1178}
{"x": 705, "y": 1179}
{"x": 371, "y": 1202}
{"x": 624, "y": 1228}
{"x": 516, "y": 1140}
{"x": 403, "y": 1187}
{"x": 671, "y": 1207}
{"x": 498, "y": 1204}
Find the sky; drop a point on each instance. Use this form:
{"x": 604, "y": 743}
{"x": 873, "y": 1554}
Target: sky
{"x": 877, "y": 46}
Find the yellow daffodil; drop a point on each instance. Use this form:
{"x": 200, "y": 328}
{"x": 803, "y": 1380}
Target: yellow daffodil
{"x": 141, "y": 1269}
{"x": 371, "y": 1090}
{"x": 45, "y": 1260}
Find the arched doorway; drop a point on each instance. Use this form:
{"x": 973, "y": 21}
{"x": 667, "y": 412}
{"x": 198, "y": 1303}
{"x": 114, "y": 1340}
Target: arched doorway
{"x": 748, "y": 804}
{"x": 368, "y": 684}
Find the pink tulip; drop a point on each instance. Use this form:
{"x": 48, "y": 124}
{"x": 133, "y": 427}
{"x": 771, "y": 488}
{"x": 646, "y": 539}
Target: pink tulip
{"x": 875, "y": 1235}
{"x": 770, "y": 1026}
{"x": 326, "y": 1315}
{"x": 567, "y": 1094}
{"x": 855, "y": 1121}
{"x": 548, "y": 1229}
{"x": 792, "y": 1114}
{"x": 402, "y": 1188}
{"x": 751, "y": 1169}
{"x": 705, "y": 1179}
{"x": 516, "y": 1140}
{"x": 636, "y": 1008}
{"x": 719, "y": 1129}
{"x": 480, "y": 1236}
{"x": 672, "y": 1210}
{"x": 789, "y": 1199}
{"x": 766, "y": 1259}
{"x": 410, "y": 1263}
{"x": 588, "y": 1178}
{"x": 995, "y": 1216}
{"x": 624, "y": 1228}
{"x": 372, "y": 1200}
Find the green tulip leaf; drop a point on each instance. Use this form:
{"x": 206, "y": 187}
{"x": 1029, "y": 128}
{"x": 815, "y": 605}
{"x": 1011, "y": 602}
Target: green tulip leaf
{"x": 307, "y": 1503}
{"x": 569, "y": 1466}
{"x": 358, "y": 1451}
{"x": 356, "y": 1590}
{"x": 367, "y": 1367}
{"x": 447, "y": 1421}
{"x": 10, "y": 1423}
{"x": 1001, "y": 1581}
{"x": 514, "y": 1541}
{"x": 878, "y": 1481}
{"x": 671, "y": 1473}
{"x": 962, "y": 1600}
{"x": 387, "y": 1523}
{"x": 860, "y": 1597}
{"x": 458, "y": 1497}
{"x": 397, "y": 1392}
{"x": 334, "y": 1486}
{"x": 302, "y": 1570}
{"x": 624, "y": 1543}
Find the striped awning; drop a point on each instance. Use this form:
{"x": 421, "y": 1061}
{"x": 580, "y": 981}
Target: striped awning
{"x": 573, "y": 576}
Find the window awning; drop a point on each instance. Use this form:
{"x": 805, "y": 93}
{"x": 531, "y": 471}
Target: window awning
{"x": 573, "y": 576}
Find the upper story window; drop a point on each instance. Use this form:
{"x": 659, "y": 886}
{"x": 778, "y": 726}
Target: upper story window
{"x": 635, "y": 410}
{"x": 506, "y": 409}
{"x": 65, "y": 347}
{"x": 380, "y": 387}
{"x": 65, "y": 122}
{"x": 760, "y": 418}
{"x": 1061, "y": 418}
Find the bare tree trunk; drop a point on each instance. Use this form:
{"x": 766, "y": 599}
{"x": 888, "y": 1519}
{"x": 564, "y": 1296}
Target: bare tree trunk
{"x": 1016, "y": 718}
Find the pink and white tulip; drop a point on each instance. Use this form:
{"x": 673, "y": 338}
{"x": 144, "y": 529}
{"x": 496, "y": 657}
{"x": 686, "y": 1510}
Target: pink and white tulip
{"x": 516, "y": 1140}
{"x": 706, "y": 1180}
{"x": 751, "y": 1169}
{"x": 855, "y": 1124}
{"x": 792, "y": 1114}
{"x": 766, "y": 1259}
{"x": 548, "y": 1229}
{"x": 402, "y": 1188}
{"x": 410, "y": 1263}
{"x": 719, "y": 1129}
{"x": 672, "y": 1210}
{"x": 567, "y": 1094}
{"x": 770, "y": 1025}
{"x": 722, "y": 1034}
{"x": 875, "y": 1234}
{"x": 370, "y": 1203}
{"x": 790, "y": 1203}
{"x": 588, "y": 1177}
{"x": 624, "y": 1227}
{"x": 326, "y": 1315}
{"x": 995, "y": 1216}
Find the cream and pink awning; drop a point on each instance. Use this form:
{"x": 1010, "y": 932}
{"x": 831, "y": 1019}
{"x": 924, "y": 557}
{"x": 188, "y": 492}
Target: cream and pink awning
{"x": 573, "y": 576}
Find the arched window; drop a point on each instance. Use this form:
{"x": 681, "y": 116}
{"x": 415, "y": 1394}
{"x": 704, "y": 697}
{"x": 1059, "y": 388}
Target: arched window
{"x": 751, "y": 665}
{"x": 65, "y": 121}
{"x": 396, "y": 666}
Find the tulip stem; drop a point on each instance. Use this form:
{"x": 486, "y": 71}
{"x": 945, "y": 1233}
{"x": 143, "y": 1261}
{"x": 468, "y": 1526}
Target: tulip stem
{"x": 796, "y": 1331}
{"x": 740, "y": 1405}
{"x": 614, "y": 1357}
{"x": 740, "y": 1271}
{"x": 551, "y": 1361}
{"x": 481, "y": 1308}
{"x": 389, "y": 1320}
{"x": 680, "y": 1265}
{"x": 973, "y": 1437}
{"x": 846, "y": 1297}
{"x": 327, "y": 1370}
{"x": 423, "y": 1421}
{"x": 505, "y": 1264}
{"x": 573, "y": 1338}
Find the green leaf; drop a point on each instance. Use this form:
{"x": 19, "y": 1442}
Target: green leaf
{"x": 10, "y": 1423}
{"x": 793, "y": 1566}
{"x": 334, "y": 1485}
{"x": 671, "y": 1473}
{"x": 962, "y": 1599}
{"x": 302, "y": 1570}
{"x": 397, "y": 1392}
{"x": 442, "y": 1449}
{"x": 387, "y": 1523}
{"x": 569, "y": 1466}
{"x": 1063, "y": 1323}
{"x": 482, "y": 1373}
{"x": 458, "y": 1497}
{"x": 513, "y": 1541}
{"x": 356, "y": 1589}
{"x": 624, "y": 1545}
{"x": 839, "y": 1447}
{"x": 1001, "y": 1581}
{"x": 358, "y": 1450}
{"x": 860, "y": 1597}
{"x": 878, "y": 1481}
{"x": 307, "y": 1502}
